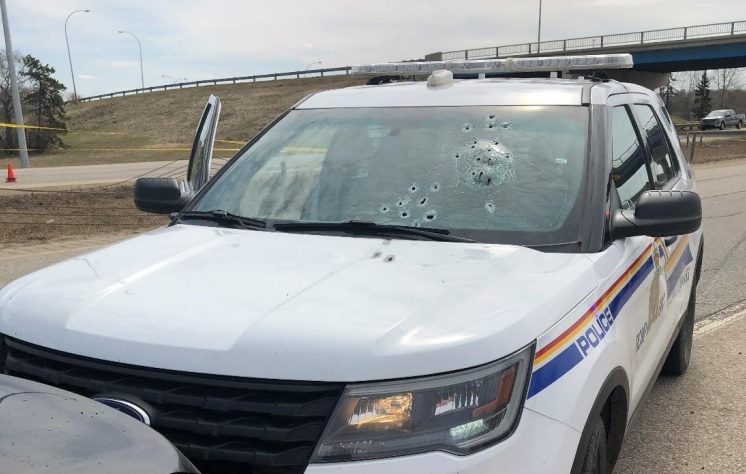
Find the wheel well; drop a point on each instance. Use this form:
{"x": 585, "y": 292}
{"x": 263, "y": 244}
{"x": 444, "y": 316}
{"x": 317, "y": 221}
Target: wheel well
{"x": 614, "y": 415}
{"x": 611, "y": 405}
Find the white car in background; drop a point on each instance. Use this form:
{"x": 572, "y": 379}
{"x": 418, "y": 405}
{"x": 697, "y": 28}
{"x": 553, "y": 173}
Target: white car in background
{"x": 472, "y": 276}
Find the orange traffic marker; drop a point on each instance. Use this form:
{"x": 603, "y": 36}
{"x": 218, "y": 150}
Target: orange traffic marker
{"x": 11, "y": 174}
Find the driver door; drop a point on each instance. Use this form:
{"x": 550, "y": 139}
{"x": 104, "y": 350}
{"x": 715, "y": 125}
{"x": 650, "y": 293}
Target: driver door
{"x": 200, "y": 159}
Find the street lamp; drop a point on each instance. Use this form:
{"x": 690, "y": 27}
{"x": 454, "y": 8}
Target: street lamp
{"x": 69, "y": 57}
{"x": 173, "y": 79}
{"x": 538, "y": 43}
{"x": 309, "y": 66}
{"x": 139, "y": 46}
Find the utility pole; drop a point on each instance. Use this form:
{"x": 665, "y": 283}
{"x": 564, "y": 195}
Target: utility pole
{"x": 69, "y": 57}
{"x": 538, "y": 42}
{"x": 20, "y": 131}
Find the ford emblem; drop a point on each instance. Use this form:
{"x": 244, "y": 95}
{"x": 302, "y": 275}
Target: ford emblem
{"x": 126, "y": 407}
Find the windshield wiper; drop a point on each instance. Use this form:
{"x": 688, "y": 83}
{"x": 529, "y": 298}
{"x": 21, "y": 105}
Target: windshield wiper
{"x": 224, "y": 218}
{"x": 354, "y": 227}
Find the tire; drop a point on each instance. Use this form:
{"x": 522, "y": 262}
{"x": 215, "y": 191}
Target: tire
{"x": 722, "y": 125}
{"x": 595, "y": 460}
{"x": 678, "y": 359}
{"x": 739, "y": 125}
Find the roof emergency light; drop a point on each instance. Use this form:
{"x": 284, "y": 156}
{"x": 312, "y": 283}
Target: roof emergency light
{"x": 502, "y": 66}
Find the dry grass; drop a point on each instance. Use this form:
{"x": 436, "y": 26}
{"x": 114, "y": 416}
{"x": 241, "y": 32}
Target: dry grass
{"x": 42, "y": 216}
{"x": 717, "y": 149}
{"x": 168, "y": 119}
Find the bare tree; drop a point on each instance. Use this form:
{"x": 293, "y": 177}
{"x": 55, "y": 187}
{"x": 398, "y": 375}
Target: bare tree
{"x": 726, "y": 80}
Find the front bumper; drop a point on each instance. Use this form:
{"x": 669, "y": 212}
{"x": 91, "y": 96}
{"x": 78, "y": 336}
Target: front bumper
{"x": 539, "y": 445}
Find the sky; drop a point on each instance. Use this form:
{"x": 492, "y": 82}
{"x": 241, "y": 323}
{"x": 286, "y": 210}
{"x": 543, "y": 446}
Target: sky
{"x": 199, "y": 39}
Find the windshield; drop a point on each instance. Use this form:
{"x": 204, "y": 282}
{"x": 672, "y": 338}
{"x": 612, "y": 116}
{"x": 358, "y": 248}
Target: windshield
{"x": 508, "y": 174}
{"x": 717, "y": 113}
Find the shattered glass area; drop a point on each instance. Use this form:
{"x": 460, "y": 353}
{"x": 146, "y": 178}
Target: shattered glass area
{"x": 507, "y": 169}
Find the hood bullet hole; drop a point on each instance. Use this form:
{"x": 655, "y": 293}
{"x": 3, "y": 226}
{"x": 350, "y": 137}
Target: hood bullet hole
{"x": 423, "y": 201}
{"x": 376, "y": 254}
{"x": 388, "y": 258}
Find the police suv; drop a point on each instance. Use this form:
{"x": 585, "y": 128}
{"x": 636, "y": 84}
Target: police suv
{"x": 473, "y": 276}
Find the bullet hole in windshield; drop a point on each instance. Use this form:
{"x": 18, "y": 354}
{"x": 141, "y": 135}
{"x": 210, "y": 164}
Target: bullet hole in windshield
{"x": 431, "y": 215}
{"x": 466, "y": 128}
{"x": 457, "y": 155}
{"x": 490, "y": 206}
{"x": 402, "y": 202}
{"x": 435, "y": 187}
{"x": 423, "y": 201}
{"x": 505, "y": 125}
{"x": 491, "y": 117}
{"x": 385, "y": 208}
{"x": 404, "y": 214}
{"x": 490, "y": 126}
{"x": 413, "y": 188}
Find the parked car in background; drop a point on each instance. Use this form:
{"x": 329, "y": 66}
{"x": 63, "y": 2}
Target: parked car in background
{"x": 47, "y": 430}
{"x": 722, "y": 119}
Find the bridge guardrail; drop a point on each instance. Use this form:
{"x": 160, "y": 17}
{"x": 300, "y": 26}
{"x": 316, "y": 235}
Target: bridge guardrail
{"x": 712, "y": 30}
{"x": 224, "y": 80}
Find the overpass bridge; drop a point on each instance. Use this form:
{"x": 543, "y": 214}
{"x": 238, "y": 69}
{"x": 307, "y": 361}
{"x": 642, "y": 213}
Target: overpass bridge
{"x": 687, "y": 48}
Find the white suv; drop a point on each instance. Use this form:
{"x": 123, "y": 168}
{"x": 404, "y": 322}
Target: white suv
{"x": 471, "y": 276}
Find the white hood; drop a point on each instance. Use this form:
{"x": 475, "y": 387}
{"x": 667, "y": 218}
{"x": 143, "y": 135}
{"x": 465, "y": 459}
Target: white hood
{"x": 294, "y": 306}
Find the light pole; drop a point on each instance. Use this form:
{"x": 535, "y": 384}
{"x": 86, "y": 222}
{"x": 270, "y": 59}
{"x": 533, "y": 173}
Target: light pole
{"x": 20, "y": 131}
{"x": 538, "y": 42}
{"x": 139, "y": 46}
{"x": 69, "y": 57}
{"x": 309, "y": 66}
{"x": 173, "y": 79}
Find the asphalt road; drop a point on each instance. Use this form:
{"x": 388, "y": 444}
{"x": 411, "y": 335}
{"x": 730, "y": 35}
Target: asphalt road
{"x": 86, "y": 175}
{"x": 694, "y": 423}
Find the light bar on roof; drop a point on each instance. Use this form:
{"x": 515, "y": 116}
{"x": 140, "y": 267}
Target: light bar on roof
{"x": 502, "y": 66}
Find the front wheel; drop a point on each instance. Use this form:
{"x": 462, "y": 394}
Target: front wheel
{"x": 594, "y": 461}
{"x": 678, "y": 359}
{"x": 739, "y": 124}
{"x": 722, "y": 125}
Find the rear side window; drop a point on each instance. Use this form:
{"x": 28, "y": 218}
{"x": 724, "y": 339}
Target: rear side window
{"x": 663, "y": 165}
{"x": 628, "y": 159}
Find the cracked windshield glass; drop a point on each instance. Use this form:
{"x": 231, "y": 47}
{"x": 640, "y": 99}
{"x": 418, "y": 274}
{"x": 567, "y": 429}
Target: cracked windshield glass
{"x": 508, "y": 174}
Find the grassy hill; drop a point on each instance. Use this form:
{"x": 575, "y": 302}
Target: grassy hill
{"x": 116, "y": 130}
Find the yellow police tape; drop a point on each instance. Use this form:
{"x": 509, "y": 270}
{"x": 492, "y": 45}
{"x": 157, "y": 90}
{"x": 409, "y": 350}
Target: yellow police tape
{"x": 39, "y": 127}
{"x": 124, "y": 149}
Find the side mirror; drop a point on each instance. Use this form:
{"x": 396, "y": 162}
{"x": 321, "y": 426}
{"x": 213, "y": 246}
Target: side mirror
{"x": 660, "y": 214}
{"x": 161, "y": 195}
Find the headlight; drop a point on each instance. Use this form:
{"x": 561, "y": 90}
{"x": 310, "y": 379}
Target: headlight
{"x": 459, "y": 413}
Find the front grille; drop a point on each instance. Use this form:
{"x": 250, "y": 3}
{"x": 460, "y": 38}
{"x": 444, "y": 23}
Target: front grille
{"x": 223, "y": 425}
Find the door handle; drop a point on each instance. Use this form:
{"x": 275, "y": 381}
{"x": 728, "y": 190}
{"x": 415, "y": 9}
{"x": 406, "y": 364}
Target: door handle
{"x": 670, "y": 240}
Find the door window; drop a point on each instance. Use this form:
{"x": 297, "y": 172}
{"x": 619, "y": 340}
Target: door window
{"x": 628, "y": 158}
{"x": 663, "y": 165}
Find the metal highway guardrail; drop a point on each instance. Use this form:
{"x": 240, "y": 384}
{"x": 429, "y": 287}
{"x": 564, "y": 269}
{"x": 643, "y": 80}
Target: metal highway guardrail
{"x": 225, "y": 80}
{"x": 683, "y": 33}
